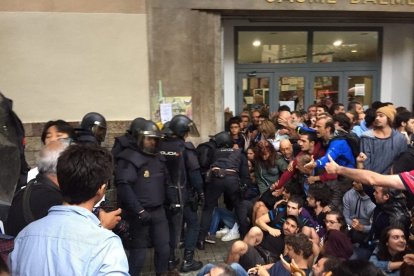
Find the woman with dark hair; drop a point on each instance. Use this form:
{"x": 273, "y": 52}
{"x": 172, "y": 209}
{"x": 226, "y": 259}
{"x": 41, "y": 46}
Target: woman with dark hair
{"x": 336, "y": 241}
{"x": 53, "y": 131}
{"x": 389, "y": 254}
{"x": 266, "y": 168}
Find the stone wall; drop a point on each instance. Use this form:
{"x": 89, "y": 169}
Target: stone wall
{"x": 34, "y": 131}
{"x": 185, "y": 55}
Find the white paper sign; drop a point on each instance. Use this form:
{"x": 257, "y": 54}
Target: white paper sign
{"x": 360, "y": 89}
{"x": 166, "y": 112}
{"x": 291, "y": 104}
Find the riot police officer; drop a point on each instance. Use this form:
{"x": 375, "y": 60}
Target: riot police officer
{"x": 141, "y": 177}
{"x": 187, "y": 185}
{"x": 128, "y": 140}
{"x": 92, "y": 129}
{"x": 228, "y": 172}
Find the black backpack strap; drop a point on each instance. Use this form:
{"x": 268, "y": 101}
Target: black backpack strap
{"x": 27, "y": 211}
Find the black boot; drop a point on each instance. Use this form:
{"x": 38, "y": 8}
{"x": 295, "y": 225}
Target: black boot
{"x": 189, "y": 264}
{"x": 173, "y": 260}
{"x": 200, "y": 245}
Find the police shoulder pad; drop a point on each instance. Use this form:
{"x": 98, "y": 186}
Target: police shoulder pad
{"x": 132, "y": 156}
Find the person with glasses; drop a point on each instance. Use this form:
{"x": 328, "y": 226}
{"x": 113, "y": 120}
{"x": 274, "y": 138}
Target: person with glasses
{"x": 336, "y": 242}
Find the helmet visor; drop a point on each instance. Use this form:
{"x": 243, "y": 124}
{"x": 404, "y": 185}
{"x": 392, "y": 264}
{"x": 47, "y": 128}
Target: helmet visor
{"x": 99, "y": 132}
{"x": 193, "y": 131}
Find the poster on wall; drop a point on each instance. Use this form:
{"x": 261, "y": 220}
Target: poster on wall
{"x": 171, "y": 106}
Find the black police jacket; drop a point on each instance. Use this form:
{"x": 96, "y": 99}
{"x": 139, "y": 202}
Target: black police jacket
{"x": 183, "y": 167}
{"x": 141, "y": 180}
{"x": 233, "y": 159}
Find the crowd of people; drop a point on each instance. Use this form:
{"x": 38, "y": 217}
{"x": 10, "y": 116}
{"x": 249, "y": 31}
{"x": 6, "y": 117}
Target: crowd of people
{"x": 323, "y": 192}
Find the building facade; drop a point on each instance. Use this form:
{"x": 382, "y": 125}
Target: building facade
{"x": 130, "y": 58}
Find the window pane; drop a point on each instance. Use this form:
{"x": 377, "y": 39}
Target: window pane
{"x": 325, "y": 90}
{"x": 345, "y": 46}
{"x": 271, "y": 47}
{"x": 360, "y": 90}
{"x": 292, "y": 92}
{"x": 255, "y": 93}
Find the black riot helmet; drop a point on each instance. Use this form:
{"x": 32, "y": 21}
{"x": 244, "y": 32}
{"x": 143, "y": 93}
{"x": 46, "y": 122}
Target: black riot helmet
{"x": 148, "y": 130}
{"x": 96, "y": 124}
{"x": 136, "y": 126}
{"x": 166, "y": 131}
{"x": 223, "y": 140}
{"x": 181, "y": 125}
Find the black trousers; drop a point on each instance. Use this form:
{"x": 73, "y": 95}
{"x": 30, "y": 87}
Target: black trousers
{"x": 229, "y": 185}
{"x": 152, "y": 234}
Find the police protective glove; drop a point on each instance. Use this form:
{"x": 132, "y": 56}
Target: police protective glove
{"x": 144, "y": 217}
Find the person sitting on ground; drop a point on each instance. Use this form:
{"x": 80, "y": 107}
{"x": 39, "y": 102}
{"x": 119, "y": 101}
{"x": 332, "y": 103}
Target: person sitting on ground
{"x": 271, "y": 223}
{"x": 290, "y": 189}
{"x": 389, "y": 253}
{"x": 336, "y": 242}
{"x": 358, "y": 211}
{"x": 298, "y": 248}
{"x": 324, "y": 265}
{"x": 222, "y": 269}
{"x": 318, "y": 201}
{"x": 356, "y": 268}
{"x": 267, "y": 170}
{"x": 246, "y": 252}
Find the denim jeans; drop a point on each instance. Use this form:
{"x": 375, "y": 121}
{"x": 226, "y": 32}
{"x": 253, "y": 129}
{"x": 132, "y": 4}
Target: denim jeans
{"x": 221, "y": 214}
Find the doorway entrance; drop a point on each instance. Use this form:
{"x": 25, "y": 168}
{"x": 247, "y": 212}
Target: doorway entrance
{"x": 300, "y": 89}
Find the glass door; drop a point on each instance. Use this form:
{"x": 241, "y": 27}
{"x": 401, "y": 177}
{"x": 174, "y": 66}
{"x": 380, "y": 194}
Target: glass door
{"x": 326, "y": 88}
{"x": 361, "y": 87}
{"x": 290, "y": 91}
{"x": 254, "y": 91}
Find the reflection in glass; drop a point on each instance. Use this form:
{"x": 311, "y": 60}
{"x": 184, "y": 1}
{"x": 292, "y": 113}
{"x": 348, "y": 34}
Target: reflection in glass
{"x": 271, "y": 47}
{"x": 255, "y": 93}
{"x": 332, "y": 46}
{"x": 360, "y": 89}
{"x": 325, "y": 90}
{"x": 292, "y": 92}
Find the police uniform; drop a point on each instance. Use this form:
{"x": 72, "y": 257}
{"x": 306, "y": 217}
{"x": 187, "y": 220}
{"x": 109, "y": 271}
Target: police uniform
{"x": 184, "y": 170}
{"x": 141, "y": 180}
{"x": 228, "y": 170}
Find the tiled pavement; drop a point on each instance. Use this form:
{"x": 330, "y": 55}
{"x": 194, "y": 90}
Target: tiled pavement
{"x": 214, "y": 253}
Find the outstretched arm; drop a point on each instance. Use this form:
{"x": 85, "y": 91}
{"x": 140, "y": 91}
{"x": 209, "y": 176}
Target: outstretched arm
{"x": 365, "y": 176}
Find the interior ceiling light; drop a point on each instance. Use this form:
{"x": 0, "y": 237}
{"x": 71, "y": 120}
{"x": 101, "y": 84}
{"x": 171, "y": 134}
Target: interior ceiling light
{"x": 354, "y": 51}
{"x": 257, "y": 43}
{"x": 337, "y": 43}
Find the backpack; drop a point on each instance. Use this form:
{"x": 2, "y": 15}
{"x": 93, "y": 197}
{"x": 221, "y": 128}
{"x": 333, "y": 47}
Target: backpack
{"x": 352, "y": 139}
{"x": 205, "y": 155}
{"x": 14, "y": 168}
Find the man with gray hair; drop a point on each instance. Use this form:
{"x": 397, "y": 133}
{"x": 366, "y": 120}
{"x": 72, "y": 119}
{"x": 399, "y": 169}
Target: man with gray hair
{"x": 33, "y": 201}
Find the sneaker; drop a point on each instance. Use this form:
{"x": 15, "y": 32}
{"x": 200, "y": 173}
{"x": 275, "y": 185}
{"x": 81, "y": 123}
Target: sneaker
{"x": 222, "y": 232}
{"x": 232, "y": 235}
{"x": 210, "y": 239}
